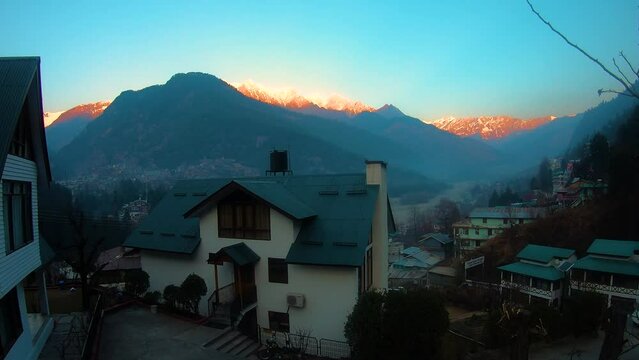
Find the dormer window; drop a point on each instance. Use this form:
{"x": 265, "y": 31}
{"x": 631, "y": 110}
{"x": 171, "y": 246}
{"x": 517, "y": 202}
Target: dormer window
{"x": 241, "y": 216}
{"x": 21, "y": 141}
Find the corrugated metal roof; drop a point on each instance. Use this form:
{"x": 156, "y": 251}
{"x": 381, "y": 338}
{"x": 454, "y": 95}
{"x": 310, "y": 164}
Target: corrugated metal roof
{"x": 544, "y": 253}
{"x": 593, "y": 263}
{"x": 622, "y": 248}
{"x": 16, "y": 76}
{"x": 240, "y": 253}
{"x": 166, "y": 229}
{"x": 507, "y": 212}
{"x": 276, "y": 194}
{"x": 440, "y": 237}
{"x": 536, "y": 271}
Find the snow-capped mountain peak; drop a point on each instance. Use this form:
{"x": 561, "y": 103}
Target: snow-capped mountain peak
{"x": 292, "y": 99}
{"x": 489, "y": 127}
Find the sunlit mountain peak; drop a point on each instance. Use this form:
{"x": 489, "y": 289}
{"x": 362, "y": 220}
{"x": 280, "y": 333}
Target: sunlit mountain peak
{"x": 291, "y": 98}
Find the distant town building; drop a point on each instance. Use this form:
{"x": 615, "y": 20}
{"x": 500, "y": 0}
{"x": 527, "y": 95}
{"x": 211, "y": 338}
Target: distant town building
{"x": 437, "y": 243}
{"x": 134, "y": 211}
{"x": 538, "y": 274}
{"x": 611, "y": 268}
{"x": 483, "y": 224}
{"x": 411, "y": 270}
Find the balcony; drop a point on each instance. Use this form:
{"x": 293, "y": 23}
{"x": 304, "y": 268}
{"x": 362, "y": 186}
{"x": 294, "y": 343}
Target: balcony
{"x": 604, "y": 289}
{"x": 530, "y": 290}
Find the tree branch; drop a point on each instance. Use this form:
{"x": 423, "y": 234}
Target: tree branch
{"x": 635, "y": 71}
{"x": 602, "y": 91}
{"x": 621, "y": 72}
{"x": 627, "y": 86}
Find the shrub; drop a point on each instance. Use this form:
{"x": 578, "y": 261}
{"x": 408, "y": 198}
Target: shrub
{"x": 152, "y": 297}
{"x": 413, "y": 325}
{"x": 192, "y": 290}
{"x": 136, "y": 282}
{"x": 584, "y": 311}
{"x": 171, "y": 295}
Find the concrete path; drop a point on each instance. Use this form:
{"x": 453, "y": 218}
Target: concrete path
{"x": 134, "y": 333}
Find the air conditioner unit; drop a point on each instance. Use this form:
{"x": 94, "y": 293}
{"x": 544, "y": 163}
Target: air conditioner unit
{"x": 295, "y": 300}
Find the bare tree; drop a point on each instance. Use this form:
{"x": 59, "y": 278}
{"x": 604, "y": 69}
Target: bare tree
{"x": 620, "y": 76}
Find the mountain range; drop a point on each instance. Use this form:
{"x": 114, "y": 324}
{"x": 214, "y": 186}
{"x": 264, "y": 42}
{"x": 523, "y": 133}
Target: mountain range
{"x": 489, "y": 127}
{"x": 197, "y": 125}
{"x": 68, "y": 124}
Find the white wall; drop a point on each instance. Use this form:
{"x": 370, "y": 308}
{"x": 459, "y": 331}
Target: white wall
{"x": 330, "y": 292}
{"x": 17, "y": 265}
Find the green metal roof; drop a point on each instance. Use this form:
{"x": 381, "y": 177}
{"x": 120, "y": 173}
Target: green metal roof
{"x": 612, "y": 266}
{"x": 622, "y": 248}
{"x": 19, "y": 80}
{"x": 272, "y": 192}
{"x": 536, "y": 271}
{"x": 336, "y": 213}
{"x": 166, "y": 229}
{"x": 544, "y": 253}
{"x": 240, "y": 253}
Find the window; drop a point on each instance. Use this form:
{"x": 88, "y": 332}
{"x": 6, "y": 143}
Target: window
{"x": 18, "y": 220}
{"x": 490, "y": 232}
{"x": 521, "y": 221}
{"x": 477, "y": 243}
{"x": 21, "y": 141}
{"x": 278, "y": 321}
{"x": 484, "y": 220}
{"x": 476, "y": 231}
{"x": 241, "y": 216}
{"x": 10, "y": 322}
{"x": 277, "y": 271}
{"x": 505, "y": 221}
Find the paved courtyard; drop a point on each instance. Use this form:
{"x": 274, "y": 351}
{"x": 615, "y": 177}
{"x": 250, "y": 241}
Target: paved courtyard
{"x": 134, "y": 333}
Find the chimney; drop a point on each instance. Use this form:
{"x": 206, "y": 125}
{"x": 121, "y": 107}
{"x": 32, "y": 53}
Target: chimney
{"x": 376, "y": 175}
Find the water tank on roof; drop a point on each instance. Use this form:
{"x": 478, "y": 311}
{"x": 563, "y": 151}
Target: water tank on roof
{"x": 279, "y": 162}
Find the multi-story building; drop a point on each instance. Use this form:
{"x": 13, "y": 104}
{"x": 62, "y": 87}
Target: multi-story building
{"x": 537, "y": 275}
{"x": 483, "y": 224}
{"x": 285, "y": 253}
{"x": 25, "y": 323}
{"x": 611, "y": 268}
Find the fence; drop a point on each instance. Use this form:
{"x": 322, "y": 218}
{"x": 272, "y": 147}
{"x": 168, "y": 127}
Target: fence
{"x": 308, "y": 344}
{"x": 94, "y": 325}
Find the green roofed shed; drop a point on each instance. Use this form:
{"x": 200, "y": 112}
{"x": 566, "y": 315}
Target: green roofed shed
{"x": 536, "y": 271}
{"x": 544, "y": 254}
{"x": 612, "y": 266}
{"x": 619, "y": 248}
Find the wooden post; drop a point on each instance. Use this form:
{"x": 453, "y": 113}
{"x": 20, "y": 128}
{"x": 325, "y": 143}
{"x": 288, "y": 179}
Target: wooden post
{"x": 217, "y": 288}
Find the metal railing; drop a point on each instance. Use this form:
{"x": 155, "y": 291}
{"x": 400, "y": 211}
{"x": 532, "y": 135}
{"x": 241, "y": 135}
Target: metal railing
{"x": 225, "y": 294}
{"x": 527, "y": 289}
{"x": 602, "y": 288}
{"x": 308, "y": 344}
{"x": 96, "y": 319}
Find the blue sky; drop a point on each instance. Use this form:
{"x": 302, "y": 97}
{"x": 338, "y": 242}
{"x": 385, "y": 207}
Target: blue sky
{"x": 429, "y": 58}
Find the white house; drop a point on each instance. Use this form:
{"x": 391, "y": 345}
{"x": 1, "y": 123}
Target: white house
{"x": 24, "y": 321}
{"x": 285, "y": 253}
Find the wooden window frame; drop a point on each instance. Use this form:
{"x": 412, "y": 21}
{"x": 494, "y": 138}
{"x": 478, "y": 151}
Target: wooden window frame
{"x": 275, "y": 272}
{"x": 243, "y": 210}
{"x": 13, "y": 191}
{"x": 21, "y": 141}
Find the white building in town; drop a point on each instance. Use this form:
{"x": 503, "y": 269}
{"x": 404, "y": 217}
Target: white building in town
{"x": 285, "y": 253}
{"x": 25, "y": 324}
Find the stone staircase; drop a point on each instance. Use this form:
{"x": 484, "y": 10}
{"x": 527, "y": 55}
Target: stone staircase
{"x": 232, "y": 342}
